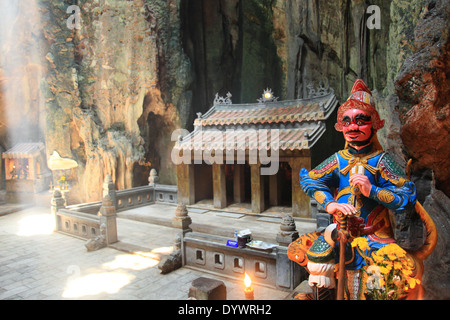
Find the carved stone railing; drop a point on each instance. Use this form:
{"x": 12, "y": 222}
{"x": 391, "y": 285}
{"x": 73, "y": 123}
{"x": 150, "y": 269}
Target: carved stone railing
{"x": 134, "y": 197}
{"x": 100, "y": 228}
{"x": 96, "y": 220}
{"x": 166, "y": 193}
{"x": 76, "y": 223}
{"x": 211, "y": 254}
{"x": 140, "y": 196}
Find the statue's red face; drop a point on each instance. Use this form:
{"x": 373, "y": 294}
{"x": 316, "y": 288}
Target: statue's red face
{"x": 357, "y": 128}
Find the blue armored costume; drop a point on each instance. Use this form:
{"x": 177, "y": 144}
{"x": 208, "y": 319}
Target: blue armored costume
{"x": 390, "y": 191}
{"x": 362, "y": 187}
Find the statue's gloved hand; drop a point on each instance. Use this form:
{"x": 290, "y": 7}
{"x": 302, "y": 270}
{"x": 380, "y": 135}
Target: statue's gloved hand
{"x": 335, "y": 208}
{"x": 362, "y": 182}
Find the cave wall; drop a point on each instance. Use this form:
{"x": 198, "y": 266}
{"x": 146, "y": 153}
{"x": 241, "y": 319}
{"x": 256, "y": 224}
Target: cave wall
{"x": 114, "y": 90}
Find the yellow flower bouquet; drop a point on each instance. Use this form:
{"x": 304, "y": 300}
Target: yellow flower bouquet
{"x": 388, "y": 269}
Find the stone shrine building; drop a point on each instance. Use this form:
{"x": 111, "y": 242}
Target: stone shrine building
{"x": 25, "y": 171}
{"x": 252, "y": 153}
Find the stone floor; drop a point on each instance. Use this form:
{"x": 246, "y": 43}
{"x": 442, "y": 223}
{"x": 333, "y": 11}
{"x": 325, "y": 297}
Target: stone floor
{"x": 38, "y": 264}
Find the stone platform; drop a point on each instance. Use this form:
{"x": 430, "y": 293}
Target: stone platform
{"x": 38, "y": 264}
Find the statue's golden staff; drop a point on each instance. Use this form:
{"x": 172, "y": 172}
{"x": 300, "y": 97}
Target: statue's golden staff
{"x": 342, "y": 227}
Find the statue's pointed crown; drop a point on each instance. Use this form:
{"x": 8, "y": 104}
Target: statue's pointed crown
{"x": 361, "y": 92}
{"x": 360, "y": 98}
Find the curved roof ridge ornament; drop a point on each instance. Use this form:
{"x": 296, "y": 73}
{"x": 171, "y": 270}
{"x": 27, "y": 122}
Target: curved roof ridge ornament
{"x": 223, "y": 100}
{"x": 321, "y": 90}
{"x": 267, "y": 96}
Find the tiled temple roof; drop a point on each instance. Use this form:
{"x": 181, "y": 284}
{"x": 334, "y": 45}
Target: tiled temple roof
{"x": 252, "y": 138}
{"x": 299, "y": 124}
{"x": 24, "y": 150}
{"x": 269, "y": 112}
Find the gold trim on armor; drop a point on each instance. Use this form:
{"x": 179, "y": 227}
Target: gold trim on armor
{"x": 398, "y": 183}
{"x": 347, "y": 155}
{"x": 354, "y": 160}
{"x": 319, "y": 196}
{"x": 314, "y": 175}
{"x": 385, "y": 196}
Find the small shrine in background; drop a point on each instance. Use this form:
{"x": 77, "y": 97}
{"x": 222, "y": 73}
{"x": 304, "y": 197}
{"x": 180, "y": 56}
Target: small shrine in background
{"x": 242, "y": 140}
{"x": 62, "y": 171}
{"x": 26, "y": 172}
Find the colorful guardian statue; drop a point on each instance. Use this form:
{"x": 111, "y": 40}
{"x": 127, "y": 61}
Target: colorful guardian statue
{"x": 359, "y": 186}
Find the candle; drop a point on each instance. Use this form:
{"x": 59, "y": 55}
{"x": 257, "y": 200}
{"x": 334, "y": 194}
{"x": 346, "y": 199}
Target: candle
{"x": 248, "y": 290}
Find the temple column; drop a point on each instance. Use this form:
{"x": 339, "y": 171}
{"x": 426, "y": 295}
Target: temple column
{"x": 219, "y": 186}
{"x": 186, "y": 184}
{"x": 300, "y": 201}
{"x": 257, "y": 186}
{"x": 239, "y": 183}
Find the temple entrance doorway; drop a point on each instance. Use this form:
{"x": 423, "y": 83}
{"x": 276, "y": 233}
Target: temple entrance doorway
{"x": 278, "y": 191}
{"x": 203, "y": 183}
{"x": 285, "y": 184}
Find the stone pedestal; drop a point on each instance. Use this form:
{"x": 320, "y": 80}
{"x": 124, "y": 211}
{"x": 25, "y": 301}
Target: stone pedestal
{"x": 108, "y": 216}
{"x": 288, "y": 232}
{"x": 207, "y": 289}
{"x": 153, "y": 178}
{"x": 57, "y": 203}
{"x": 181, "y": 219}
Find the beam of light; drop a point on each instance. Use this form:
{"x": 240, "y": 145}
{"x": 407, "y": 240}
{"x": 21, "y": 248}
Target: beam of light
{"x": 38, "y": 224}
{"x": 163, "y": 250}
{"x": 21, "y": 69}
{"x": 22, "y": 104}
{"x": 96, "y": 283}
{"x": 131, "y": 262}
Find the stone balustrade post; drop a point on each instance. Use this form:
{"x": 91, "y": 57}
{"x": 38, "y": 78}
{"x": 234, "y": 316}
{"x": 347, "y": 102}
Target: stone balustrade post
{"x": 153, "y": 177}
{"x": 181, "y": 219}
{"x": 109, "y": 188}
{"x": 57, "y": 202}
{"x": 108, "y": 217}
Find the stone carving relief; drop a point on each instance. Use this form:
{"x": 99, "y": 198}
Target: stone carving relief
{"x": 222, "y": 100}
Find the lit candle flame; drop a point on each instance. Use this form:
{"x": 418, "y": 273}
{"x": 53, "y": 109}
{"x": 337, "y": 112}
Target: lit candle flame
{"x": 247, "y": 280}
